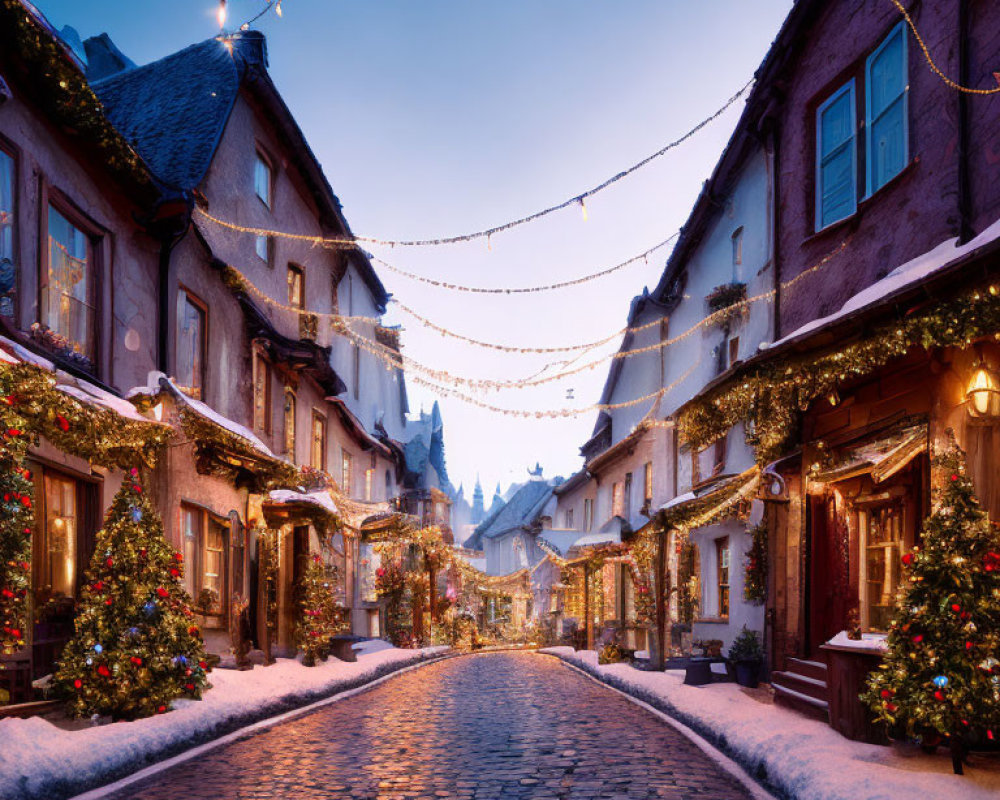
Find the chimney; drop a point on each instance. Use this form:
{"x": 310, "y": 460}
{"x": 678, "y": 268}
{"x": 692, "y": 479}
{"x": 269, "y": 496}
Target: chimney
{"x": 252, "y": 48}
{"x": 104, "y": 58}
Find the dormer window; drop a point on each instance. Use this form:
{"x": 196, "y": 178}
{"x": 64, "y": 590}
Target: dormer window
{"x": 262, "y": 178}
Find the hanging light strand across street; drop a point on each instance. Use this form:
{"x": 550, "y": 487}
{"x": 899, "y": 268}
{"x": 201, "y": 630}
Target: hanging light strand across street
{"x": 341, "y": 242}
{"x": 644, "y": 256}
{"x": 392, "y": 359}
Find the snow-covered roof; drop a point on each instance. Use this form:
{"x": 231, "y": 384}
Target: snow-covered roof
{"x": 594, "y": 539}
{"x": 320, "y": 498}
{"x": 902, "y": 277}
{"x": 83, "y": 390}
{"x": 157, "y": 382}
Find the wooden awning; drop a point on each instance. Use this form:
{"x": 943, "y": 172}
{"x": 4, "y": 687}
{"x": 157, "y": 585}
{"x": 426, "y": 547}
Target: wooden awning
{"x": 880, "y": 458}
{"x": 710, "y": 503}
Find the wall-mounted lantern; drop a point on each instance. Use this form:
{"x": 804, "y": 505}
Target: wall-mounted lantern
{"x": 983, "y": 394}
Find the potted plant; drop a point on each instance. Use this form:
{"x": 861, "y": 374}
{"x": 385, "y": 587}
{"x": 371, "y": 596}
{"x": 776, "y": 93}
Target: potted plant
{"x": 747, "y": 655}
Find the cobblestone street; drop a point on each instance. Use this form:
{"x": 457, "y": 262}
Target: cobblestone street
{"x": 511, "y": 725}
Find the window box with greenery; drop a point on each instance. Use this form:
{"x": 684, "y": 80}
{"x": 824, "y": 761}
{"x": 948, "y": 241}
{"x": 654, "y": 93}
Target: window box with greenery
{"x": 727, "y": 298}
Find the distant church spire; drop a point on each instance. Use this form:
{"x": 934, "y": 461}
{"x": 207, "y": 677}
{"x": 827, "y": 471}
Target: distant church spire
{"x": 478, "y": 510}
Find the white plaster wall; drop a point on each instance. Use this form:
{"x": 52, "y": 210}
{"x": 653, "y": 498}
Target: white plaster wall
{"x": 707, "y": 625}
{"x": 640, "y": 375}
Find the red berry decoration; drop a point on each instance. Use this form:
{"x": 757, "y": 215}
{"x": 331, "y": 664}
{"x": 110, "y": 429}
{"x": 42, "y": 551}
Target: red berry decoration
{"x": 62, "y": 422}
{"x": 78, "y": 683}
{"x": 954, "y": 477}
{"x": 161, "y": 592}
{"x": 908, "y": 558}
{"x": 918, "y": 638}
{"x": 956, "y": 607}
{"x": 103, "y": 671}
{"x": 939, "y": 695}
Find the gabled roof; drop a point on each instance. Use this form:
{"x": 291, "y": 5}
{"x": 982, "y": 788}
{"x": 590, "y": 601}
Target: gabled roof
{"x": 520, "y": 511}
{"x": 174, "y": 112}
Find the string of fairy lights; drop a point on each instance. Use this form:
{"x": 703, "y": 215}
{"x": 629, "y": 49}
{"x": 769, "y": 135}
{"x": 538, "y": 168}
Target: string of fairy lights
{"x": 351, "y": 242}
{"x": 393, "y": 359}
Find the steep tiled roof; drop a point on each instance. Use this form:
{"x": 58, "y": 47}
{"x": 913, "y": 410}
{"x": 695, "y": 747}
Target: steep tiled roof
{"x": 174, "y": 110}
{"x": 519, "y": 511}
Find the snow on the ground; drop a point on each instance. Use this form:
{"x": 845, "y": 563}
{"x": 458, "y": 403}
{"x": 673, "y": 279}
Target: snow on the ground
{"x": 800, "y": 757}
{"x": 40, "y": 760}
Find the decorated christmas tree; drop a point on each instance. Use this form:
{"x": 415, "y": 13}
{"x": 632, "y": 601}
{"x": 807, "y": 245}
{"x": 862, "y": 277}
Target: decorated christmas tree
{"x": 16, "y": 520}
{"x": 136, "y": 647}
{"x": 941, "y": 677}
{"x": 320, "y": 616}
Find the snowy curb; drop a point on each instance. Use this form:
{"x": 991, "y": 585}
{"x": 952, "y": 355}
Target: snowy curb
{"x": 39, "y": 761}
{"x": 793, "y": 756}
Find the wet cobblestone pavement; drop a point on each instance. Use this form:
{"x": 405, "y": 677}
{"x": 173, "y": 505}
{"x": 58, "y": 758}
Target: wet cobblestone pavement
{"x": 506, "y": 725}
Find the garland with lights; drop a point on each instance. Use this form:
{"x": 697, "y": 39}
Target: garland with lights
{"x": 941, "y": 676}
{"x": 92, "y": 432}
{"x": 16, "y": 524}
{"x": 65, "y": 94}
{"x": 136, "y": 647}
{"x": 771, "y": 396}
{"x": 755, "y": 568}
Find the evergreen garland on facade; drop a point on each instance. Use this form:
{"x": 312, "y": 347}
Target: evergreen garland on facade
{"x": 755, "y": 569}
{"x": 16, "y": 524}
{"x": 136, "y": 647}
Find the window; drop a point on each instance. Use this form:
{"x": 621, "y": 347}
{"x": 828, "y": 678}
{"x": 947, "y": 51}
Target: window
{"x": 191, "y": 519}
{"x": 296, "y": 287}
{"x": 369, "y": 481}
{"x": 588, "y": 514}
{"x": 7, "y": 277}
{"x": 346, "y": 471}
{"x": 882, "y": 542}
{"x": 290, "y": 424}
{"x": 737, "y": 251}
{"x": 59, "y": 554}
{"x": 213, "y": 569}
{"x": 264, "y": 246}
{"x": 648, "y": 482}
{"x": 317, "y": 452}
{"x": 886, "y": 110}
{"x": 722, "y": 555}
{"x": 191, "y": 343}
{"x": 734, "y": 350}
{"x": 261, "y": 395}
{"x": 617, "y": 500}
{"x": 68, "y": 285}
{"x": 884, "y": 148}
{"x": 627, "y": 499}
{"x": 262, "y": 178}
{"x": 568, "y": 524}
{"x": 388, "y": 485}
{"x": 836, "y": 167}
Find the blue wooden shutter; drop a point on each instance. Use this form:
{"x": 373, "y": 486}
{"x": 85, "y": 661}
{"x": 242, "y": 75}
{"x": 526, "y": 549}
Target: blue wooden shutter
{"x": 836, "y": 165}
{"x": 886, "y": 116}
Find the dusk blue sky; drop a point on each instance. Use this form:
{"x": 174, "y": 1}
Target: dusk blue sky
{"x": 436, "y": 117}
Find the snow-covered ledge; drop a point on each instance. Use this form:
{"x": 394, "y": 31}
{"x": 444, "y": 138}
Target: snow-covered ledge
{"x": 41, "y": 760}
